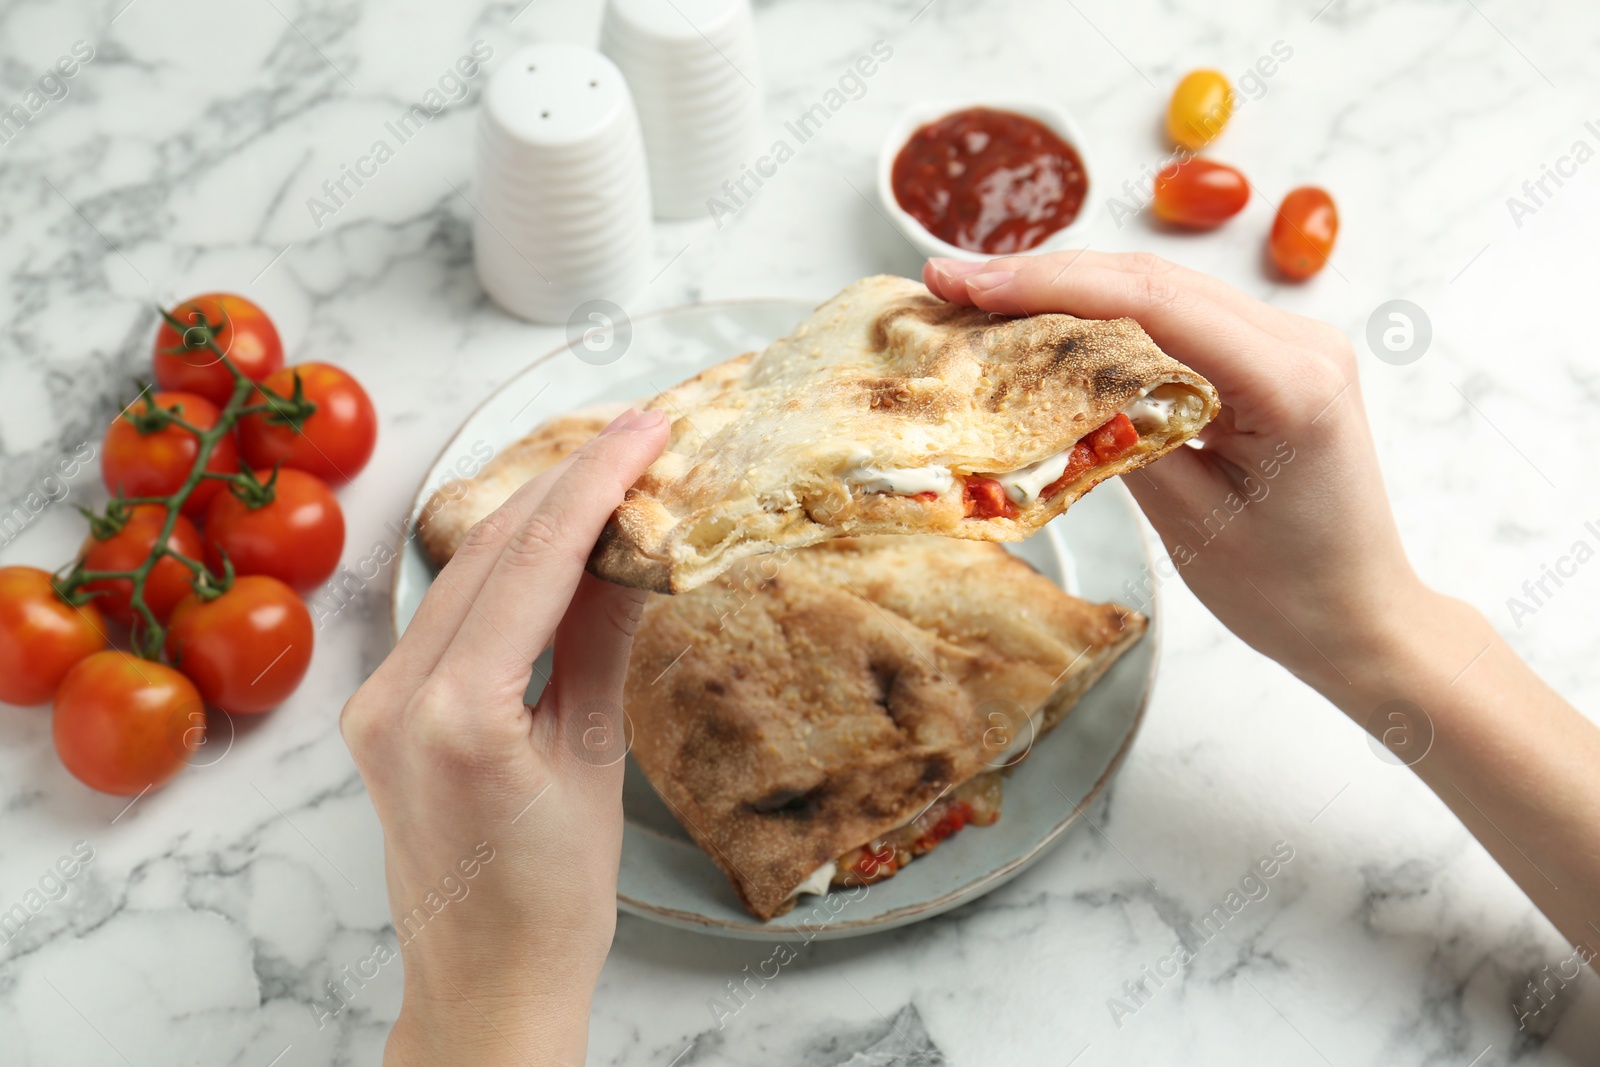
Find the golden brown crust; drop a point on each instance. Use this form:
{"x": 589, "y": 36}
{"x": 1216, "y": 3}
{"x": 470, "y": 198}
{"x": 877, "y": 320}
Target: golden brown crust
{"x": 765, "y": 449}
{"x": 457, "y": 505}
{"x": 802, "y": 704}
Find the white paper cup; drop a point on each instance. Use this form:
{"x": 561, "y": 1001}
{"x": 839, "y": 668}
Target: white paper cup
{"x": 563, "y": 199}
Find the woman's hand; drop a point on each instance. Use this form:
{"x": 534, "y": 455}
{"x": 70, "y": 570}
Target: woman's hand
{"x": 503, "y": 823}
{"x": 1280, "y": 524}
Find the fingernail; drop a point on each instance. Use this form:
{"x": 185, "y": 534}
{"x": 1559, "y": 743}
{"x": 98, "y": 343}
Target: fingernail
{"x": 633, "y": 420}
{"x": 989, "y": 281}
{"x": 621, "y": 422}
{"x": 955, "y": 268}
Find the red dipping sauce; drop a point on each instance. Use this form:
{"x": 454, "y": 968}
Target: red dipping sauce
{"x": 989, "y": 181}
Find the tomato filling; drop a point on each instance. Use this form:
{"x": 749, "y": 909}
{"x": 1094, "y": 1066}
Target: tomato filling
{"x": 986, "y": 498}
{"x": 1111, "y": 441}
{"x": 975, "y": 803}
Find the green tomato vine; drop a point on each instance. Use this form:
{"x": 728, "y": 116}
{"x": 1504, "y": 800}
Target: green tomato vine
{"x": 149, "y": 633}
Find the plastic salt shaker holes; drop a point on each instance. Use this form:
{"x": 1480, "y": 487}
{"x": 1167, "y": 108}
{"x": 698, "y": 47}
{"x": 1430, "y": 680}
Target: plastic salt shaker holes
{"x": 694, "y": 69}
{"x": 563, "y": 200}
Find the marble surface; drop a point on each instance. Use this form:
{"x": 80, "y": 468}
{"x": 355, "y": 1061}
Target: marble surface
{"x": 181, "y": 158}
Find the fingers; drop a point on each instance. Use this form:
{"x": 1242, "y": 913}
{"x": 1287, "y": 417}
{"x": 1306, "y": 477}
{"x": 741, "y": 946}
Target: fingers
{"x": 1183, "y": 483}
{"x": 1226, "y": 343}
{"x": 449, "y": 599}
{"x": 591, "y": 662}
{"x": 530, "y": 584}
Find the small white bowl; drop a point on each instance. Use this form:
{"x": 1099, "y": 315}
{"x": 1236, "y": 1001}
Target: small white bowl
{"x": 918, "y": 115}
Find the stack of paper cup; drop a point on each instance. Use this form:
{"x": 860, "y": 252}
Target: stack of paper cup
{"x": 563, "y": 211}
{"x": 694, "y": 72}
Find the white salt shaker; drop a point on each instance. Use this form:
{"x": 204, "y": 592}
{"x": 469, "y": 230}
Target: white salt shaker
{"x": 563, "y": 199}
{"x": 694, "y": 69}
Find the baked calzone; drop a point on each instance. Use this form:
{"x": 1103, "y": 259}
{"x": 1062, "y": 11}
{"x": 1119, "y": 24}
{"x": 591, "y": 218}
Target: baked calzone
{"x": 889, "y": 411}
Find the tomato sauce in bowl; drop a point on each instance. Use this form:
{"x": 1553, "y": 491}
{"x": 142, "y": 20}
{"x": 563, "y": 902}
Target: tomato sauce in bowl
{"x": 989, "y": 181}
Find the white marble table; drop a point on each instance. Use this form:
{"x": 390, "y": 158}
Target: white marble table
{"x": 212, "y": 913}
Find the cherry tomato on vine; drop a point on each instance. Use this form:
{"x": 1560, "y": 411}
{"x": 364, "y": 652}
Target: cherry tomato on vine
{"x": 1304, "y": 232}
{"x": 126, "y": 549}
{"x": 241, "y": 329}
{"x": 41, "y": 635}
{"x": 334, "y": 443}
{"x": 135, "y": 462}
{"x": 245, "y": 650}
{"x": 1199, "y": 194}
{"x": 296, "y": 538}
{"x": 1201, "y": 106}
{"x": 124, "y": 724}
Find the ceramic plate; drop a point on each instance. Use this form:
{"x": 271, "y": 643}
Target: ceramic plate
{"x": 1091, "y": 551}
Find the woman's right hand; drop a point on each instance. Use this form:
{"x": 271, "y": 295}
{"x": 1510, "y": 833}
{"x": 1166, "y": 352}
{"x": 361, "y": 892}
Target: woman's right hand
{"x": 1280, "y": 523}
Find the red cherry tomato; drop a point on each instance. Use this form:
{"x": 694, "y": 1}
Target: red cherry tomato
{"x": 41, "y": 635}
{"x": 246, "y": 650}
{"x": 1304, "y": 232}
{"x": 296, "y": 537}
{"x": 135, "y": 463}
{"x": 124, "y": 724}
{"x": 240, "y": 328}
{"x": 126, "y": 549}
{"x": 334, "y": 443}
{"x": 1199, "y": 194}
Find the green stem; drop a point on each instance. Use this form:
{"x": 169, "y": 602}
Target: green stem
{"x": 149, "y": 638}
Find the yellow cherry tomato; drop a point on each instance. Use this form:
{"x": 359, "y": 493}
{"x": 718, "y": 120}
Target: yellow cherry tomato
{"x": 1200, "y": 108}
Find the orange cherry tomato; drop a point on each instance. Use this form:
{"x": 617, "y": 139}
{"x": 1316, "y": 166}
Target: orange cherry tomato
{"x": 245, "y": 650}
{"x": 1304, "y": 232}
{"x": 41, "y": 635}
{"x": 241, "y": 329}
{"x": 135, "y": 463}
{"x": 296, "y": 537}
{"x": 124, "y": 724}
{"x": 1200, "y": 108}
{"x": 334, "y": 443}
{"x": 1199, "y": 194}
{"x": 169, "y": 580}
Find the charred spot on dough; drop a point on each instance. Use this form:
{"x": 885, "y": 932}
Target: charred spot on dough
{"x": 713, "y": 738}
{"x": 937, "y": 768}
{"x": 894, "y": 692}
{"x": 882, "y": 325}
{"x": 1115, "y": 380}
{"x": 789, "y": 802}
{"x": 883, "y": 678}
{"x": 927, "y": 310}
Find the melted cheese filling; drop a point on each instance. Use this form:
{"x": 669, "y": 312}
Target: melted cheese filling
{"x": 901, "y": 481}
{"x": 819, "y": 880}
{"x": 1151, "y": 411}
{"x": 1153, "y": 408}
{"x": 1024, "y": 486}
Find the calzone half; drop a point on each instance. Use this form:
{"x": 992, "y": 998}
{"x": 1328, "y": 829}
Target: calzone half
{"x": 824, "y": 716}
{"x": 456, "y": 506}
{"x": 891, "y": 411}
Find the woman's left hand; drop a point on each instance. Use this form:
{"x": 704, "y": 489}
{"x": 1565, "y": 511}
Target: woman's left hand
{"x": 503, "y": 823}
